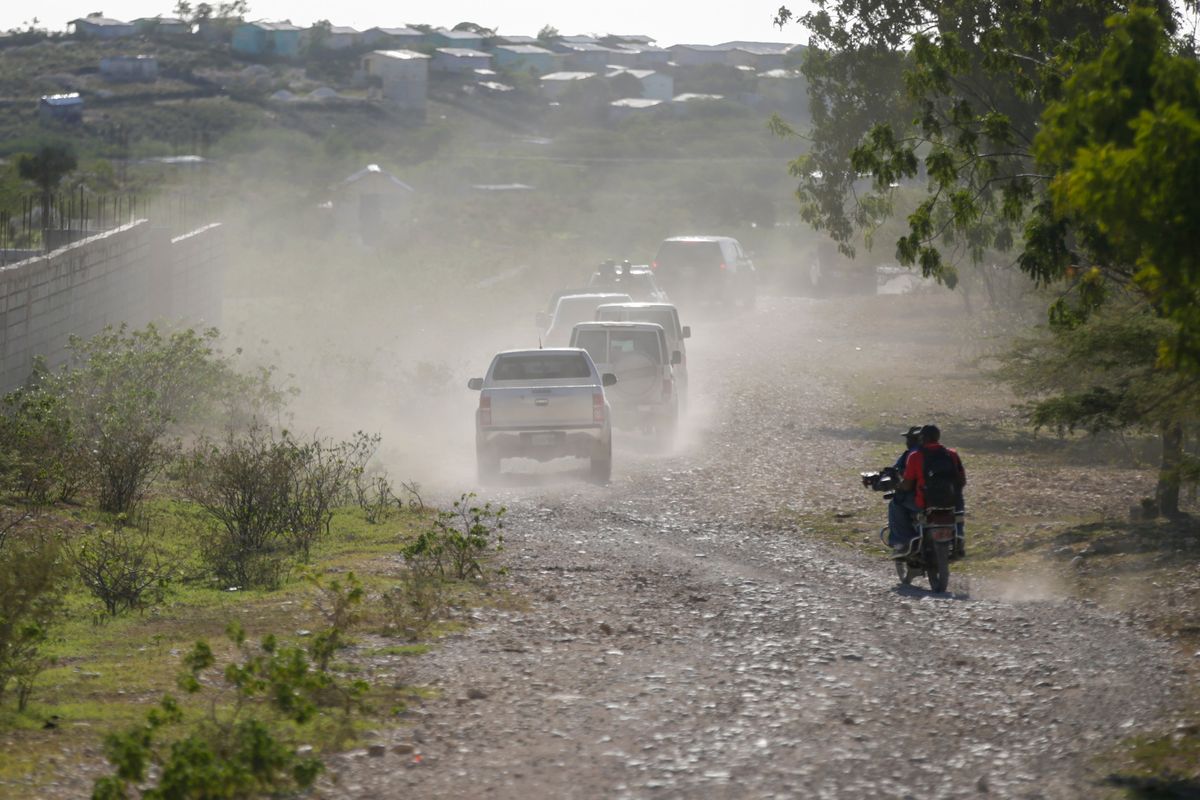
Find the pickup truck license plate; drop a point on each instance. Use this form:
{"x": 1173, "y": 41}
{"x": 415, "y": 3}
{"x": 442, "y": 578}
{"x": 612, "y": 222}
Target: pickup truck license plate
{"x": 543, "y": 439}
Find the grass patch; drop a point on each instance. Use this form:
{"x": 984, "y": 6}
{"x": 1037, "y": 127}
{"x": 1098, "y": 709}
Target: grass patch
{"x": 108, "y": 671}
{"x": 1159, "y": 768}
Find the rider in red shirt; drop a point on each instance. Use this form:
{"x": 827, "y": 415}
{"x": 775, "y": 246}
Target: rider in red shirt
{"x": 914, "y": 469}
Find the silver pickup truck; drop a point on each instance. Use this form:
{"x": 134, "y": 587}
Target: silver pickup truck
{"x": 543, "y": 404}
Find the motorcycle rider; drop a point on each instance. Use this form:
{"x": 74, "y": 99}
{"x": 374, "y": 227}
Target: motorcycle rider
{"x": 903, "y": 506}
{"x": 915, "y": 474}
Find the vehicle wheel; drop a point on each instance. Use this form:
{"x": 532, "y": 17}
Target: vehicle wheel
{"x": 487, "y": 465}
{"x": 939, "y": 570}
{"x": 601, "y": 463}
{"x": 902, "y": 571}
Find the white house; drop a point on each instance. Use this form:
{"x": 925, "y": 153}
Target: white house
{"x": 459, "y": 60}
{"x": 95, "y": 26}
{"x": 557, "y": 84}
{"x": 655, "y": 85}
{"x": 372, "y": 203}
{"x": 403, "y": 76}
{"x": 759, "y": 55}
{"x": 631, "y": 106}
{"x": 341, "y": 37}
{"x": 646, "y": 56}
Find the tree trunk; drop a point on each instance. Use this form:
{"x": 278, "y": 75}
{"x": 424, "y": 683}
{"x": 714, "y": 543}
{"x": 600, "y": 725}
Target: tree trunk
{"x": 1167, "y": 492}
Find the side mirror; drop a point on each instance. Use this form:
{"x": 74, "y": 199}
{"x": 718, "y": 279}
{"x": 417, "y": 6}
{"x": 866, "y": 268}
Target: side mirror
{"x": 608, "y": 379}
{"x": 542, "y": 320}
{"x": 676, "y": 357}
{"x": 475, "y": 384}
{"x": 687, "y": 331}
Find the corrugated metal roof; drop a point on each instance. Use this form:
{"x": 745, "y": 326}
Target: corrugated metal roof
{"x": 406, "y": 55}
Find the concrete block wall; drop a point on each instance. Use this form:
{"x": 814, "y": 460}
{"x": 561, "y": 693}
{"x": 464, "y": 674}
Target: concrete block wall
{"x": 133, "y": 274}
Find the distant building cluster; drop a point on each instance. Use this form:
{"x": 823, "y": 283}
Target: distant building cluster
{"x": 396, "y": 64}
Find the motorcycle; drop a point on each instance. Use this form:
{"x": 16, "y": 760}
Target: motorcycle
{"x": 938, "y": 539}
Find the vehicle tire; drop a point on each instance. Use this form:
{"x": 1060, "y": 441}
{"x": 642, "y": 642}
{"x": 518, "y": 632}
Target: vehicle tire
{"x": 487, "y": 464}
{"x": 902, "y": 571}
{"x": 601, "y": 463}
{"x": 939, "y": 570}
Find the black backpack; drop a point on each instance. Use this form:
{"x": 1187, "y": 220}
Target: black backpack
{"x": 941, "y": 478}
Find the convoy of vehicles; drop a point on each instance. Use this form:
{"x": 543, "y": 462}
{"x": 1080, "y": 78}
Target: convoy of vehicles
{"x": 543, "y": 404}
{"x": 667, "y": 316}
{"x": 571, "y": 309}
{"x": 645, "y": 396}
{"x": 705, "y": 269}
{"x": 611, "y": 355}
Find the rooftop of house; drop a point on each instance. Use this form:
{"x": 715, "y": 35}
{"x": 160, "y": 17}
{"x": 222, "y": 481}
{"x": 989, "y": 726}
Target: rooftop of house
{"x": 587, "y": 47}
{"x": 343, "y": 30}
{"x": 637, "y": 73}
{"x": 373, "y": 171}
{"x": 397, "y": 31}
{"x": 688, "y": 97}
{"x": 524, "y": 49}
{"x": 568, "y": 76}
{"x": 636, "y": 38}
{"x": 579, "y": 39}
{"x": 635, "y": 102}
{"x": 518, "y": 40}
{"x": 72, "y": 99}
{"x": 102, "y": 22}
{"x": 457, "y": 34}
{"x": 401, "y": 55}
{"x": 463, "y": 52}
{"x": 163, "y": 20}
{"x": 762, "y": 48}
{"x": 274, "y": 26}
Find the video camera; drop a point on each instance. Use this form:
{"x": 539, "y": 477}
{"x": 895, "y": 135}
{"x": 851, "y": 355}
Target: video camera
{"x": 884, "y": 480}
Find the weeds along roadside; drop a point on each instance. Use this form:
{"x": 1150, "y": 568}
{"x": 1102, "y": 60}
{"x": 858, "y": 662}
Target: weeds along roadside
{"x": 253, "y": 603}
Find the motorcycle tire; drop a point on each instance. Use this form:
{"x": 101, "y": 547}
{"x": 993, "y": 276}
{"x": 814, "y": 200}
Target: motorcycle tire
{"x": 902, "y": 571}
{"x": 939, "y": 570}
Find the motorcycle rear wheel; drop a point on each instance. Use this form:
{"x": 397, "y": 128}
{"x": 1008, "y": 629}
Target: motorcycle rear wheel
{"x": 939, "y": 570}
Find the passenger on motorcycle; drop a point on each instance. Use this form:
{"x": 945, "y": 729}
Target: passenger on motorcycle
{"x": 904, "y": 504}
{"x": 936, "y": 474}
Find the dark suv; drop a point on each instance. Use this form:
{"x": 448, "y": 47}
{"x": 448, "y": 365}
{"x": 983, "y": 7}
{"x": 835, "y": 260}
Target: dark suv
{"x": 705, "y": 268}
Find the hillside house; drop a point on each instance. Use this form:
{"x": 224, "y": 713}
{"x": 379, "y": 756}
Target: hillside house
{"x": 372, "y": 204}
{"x": 129, "y": 68}
{"x": 759, "y": 55}
{"x": 217, "y": 30}
{"x": 632, "y": 106}
{"x": 461, "y": 40}
{"x": 95, "y": 26}
{"x": 277, "y": 39}
{"x": 587, "y": 56}
{"x": 341, "y": 37}
{"x": 646, "y": 56}
{"x": 459, "y": 60}
{"x": 526, "y": 58}
{"x": 162, "y": 26}
{"x": 557, "y": 84}
{"x": 56, "y": 108}
{"x": 655, "y": 85}
{"x": 402, "y": 75}
{"x": 393, "y": 38}
{"x": 697, "y": 55}
{"x": 615, "y": 39}
{"x": 579, "y": 39}
{"x": 496, "y": 41}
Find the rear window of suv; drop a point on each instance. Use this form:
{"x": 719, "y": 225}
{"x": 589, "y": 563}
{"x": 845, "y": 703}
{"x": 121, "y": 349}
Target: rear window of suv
{"x": 541, "y": 366}
{"x": 689, "y": 255}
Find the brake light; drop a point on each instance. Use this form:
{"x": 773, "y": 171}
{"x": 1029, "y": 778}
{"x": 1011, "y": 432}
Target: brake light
{"x": 653, "y": 265}
{"x": 598, "y": 407}
{"x": 485, "y": 409}
{"x": 723, "y": 267}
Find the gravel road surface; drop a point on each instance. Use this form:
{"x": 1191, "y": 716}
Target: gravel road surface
{"x": 684, "y": 637}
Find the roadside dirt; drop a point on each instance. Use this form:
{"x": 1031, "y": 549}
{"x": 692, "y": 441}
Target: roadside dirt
{"x": 687, "y": 635}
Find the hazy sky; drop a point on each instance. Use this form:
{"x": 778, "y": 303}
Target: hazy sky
{"x": 671, "y": 22}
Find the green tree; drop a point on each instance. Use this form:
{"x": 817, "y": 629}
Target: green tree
{"x": 548, "y": 33}
{"x": 1063, "y": 132}
{"x": 46, "y": 168}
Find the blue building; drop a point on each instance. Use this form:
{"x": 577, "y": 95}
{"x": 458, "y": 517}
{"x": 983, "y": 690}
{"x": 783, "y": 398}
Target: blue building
{"x": 526, "y": 58}
{"x": 278, "y": 39}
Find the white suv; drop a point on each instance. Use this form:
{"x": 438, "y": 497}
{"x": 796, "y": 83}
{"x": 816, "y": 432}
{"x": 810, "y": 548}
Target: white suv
{"x": 705, "y": 268}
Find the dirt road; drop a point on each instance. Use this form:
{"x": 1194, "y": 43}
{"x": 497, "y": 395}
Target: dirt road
{"x": 685, "y": 637}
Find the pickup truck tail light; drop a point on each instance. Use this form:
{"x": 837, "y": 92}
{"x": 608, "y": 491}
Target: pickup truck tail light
{"x": 598, "y": 407}
{"x": 653, "y": 266}
{"x": 724, "y": 266}
{"x": 485, "y": 410}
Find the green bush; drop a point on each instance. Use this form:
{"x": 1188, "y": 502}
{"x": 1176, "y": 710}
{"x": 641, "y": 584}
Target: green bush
{"x": 244, "y": 748}
{"x": 122, "y": 568}
{"x": 43, "y": 460}
{"x": 459, "y": 542}
{"x": 32, "y": 576}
